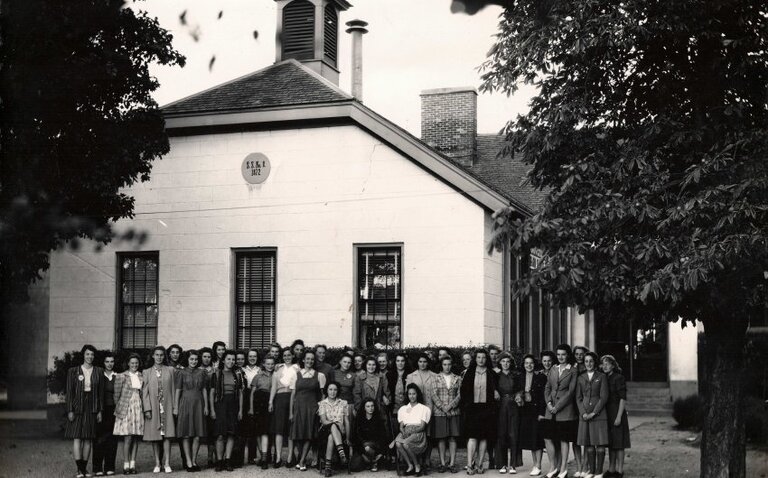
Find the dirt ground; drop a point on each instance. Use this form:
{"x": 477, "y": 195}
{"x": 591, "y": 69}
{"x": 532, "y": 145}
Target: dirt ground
{"x": 658, "y": 450}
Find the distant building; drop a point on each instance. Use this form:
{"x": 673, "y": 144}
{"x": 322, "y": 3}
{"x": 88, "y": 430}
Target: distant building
{"x": 286, "y": 208}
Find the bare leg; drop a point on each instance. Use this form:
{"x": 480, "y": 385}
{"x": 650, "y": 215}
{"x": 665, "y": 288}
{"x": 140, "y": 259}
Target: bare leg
{"x": 86, "y": 449}
{"x": 553, "y": 455}
{"x": 441, "y": 450}
{"x": 620, "y": 461}
{"x": 167, "y": 451}
{"x": 278, "y": 448}
{"x": 578, "y": 454}
{"x": 291, "y": 450}
{"x": 156, "y": 451}
{"x": 195, "y": 450}
{"x": 304, "y": 452}
{"x": 336, "y": 435}
{"x": 127, "y": 443}
{"x": 564, "y": 448}
{"x": 404, "y": 456}
{"x": 264, "y": 447}
{"x": 134, "y": 451}
{"x": 536, "y": 457}
{"x": 452, "y": 450}
{"x": 77, "y": 449}
{"x": 413, "y": 458}
{"x": 220, "y": 441}
{"x": 186, "y": 446}
{"x": 471, "y": 447}
{"x": 329, "y": 446}
{"x": 481, "y": 453}
{"x": 230, "y": 446}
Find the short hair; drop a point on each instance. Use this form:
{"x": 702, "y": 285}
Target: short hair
{"x": 304, "y": 354}
{"x": 175, "y": 346}
{"x": 276, "y": 345}
{"x": 530, "y": 356}
{"x": 297, "y": 342}
{"x": 481, "y": 351}
{"x": 88, "y": 347}
{"x": 425, "y": 356}
{"x": 133, "y": 355}
{"x": 580, "y": 347}
{"x": 204, "y": 350}
{"x": 594, "y": 357}
{"x": 217, "y": 344}
{"x": 151, "y": 358}
{"x": 370, "y": 359}
{"x": 107, "y": 354}
{"x": 321, "y": 346}
{"x": 382, "y": 354}
{"x": 288, "y": 349}
{"x": 268, "y": 357}
{"x": 507, "y": 355}
{"x": 226, "y": 352}
{"x": 328, "y": 384}
{"x": 447, "y": 357}
{"x": 547, "y": 353}
{"x": 242, "y": 352}
{"x": 419, "y": 394}
{"x": 567, "y": 349}
{"x": 192, "y": 352}
{"x": 612, "y": 360}
{"x": 493, "y": 347}
{"x": 375, "y": 406}
{"x": 253, "y": 349}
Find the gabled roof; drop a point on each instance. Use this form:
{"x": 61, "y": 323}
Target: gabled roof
{"x": 290, "y": 92}
{"x": 283, "y": 84}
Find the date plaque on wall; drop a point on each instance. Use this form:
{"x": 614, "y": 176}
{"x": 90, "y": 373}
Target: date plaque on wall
{"x": 255, "y": 168}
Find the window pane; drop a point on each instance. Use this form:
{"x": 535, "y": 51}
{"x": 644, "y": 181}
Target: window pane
{"x": 138, "y": 300}
{"x": 379, "y": 295}
{"x": 255, "y": 307}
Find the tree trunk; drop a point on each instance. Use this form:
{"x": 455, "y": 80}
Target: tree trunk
{"x": 723, "y": 450}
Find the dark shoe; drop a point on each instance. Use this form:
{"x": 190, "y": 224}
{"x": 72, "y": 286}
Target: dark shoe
{"x": 195, "y": 468}
{"x": 220, "y": 465}
{"x": 228, "y": 465}
{"x": 277, "y": 464}
{"x": 441, "y": 468}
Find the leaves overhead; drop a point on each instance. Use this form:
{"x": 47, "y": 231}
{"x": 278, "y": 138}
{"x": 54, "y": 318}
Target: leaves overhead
{"x": 78, "y": 124}
{"x": 650, "y": 130}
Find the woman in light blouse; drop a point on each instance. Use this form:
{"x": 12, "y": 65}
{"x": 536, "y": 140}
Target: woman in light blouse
{"x": 129, "y": 419}
{"x": 280, "y": 408}
{"x": 446, "y": 416}
{"x": 334, "y": 425}
{"x": 261, "y": 388}
{"x": 424, "y": 378}
{"x": 413, "y": 419}
{"x": 478, "y": 396}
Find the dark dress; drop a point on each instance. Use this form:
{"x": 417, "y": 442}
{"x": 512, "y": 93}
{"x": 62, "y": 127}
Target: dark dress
{"x": 479, "y": 417}
{"x": 618, "y": 436}
{"x": 191, "y": 420}
{"x": 307, "y": 395}
{"x": 105, "y": 448}
{"x": 261, "y": 385}
{"x": 226, "y": 385}
{"x": 369, "y": 433}
{"x": 508, "y": 419}
{"x": 531, "y": 429}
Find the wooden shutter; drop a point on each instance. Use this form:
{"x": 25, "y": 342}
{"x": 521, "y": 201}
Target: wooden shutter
{"x": 331, "y": 37}
{"x": 298, "y": 30}
{"x": 255, "y": 299}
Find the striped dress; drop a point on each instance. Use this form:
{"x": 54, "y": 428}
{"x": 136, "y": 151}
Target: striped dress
{"x": 84, "y": 404}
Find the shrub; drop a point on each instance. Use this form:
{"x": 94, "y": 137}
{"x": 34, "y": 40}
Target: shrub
{"x": 756, "y": 420}
{"x": 689, "y": 412}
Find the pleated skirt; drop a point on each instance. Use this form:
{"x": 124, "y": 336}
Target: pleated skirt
{"x": 446, "y": 427}
{"x": 593, "y": 433}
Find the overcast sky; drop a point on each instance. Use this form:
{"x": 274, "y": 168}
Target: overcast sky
{"x": 412, "y": 45}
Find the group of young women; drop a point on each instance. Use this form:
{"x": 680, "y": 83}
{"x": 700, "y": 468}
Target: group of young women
{"x": 248, "y": 406}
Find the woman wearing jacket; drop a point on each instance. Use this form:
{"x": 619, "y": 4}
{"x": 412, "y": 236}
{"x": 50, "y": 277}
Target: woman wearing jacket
{"x": 533, "y": 407}
{"x": 560, "y": 393}
{"x": 446, "y": 416}
{"x": 618, "y": 425}
{"x": 85, "y": 392}
{"x": 226, "y": 398}
{"x": 591, "y": 398}
{"x": 478, "y": 403}
{"x": 508, "y": 452}
{"x": 159, "y": 407}
{"x": 105, "y": 448}
{"x": 129, "y": 417}
{"x": 371, "y": 385}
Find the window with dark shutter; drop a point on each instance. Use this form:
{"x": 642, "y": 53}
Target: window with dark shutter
{"x": 138, "y": 294}
{"x": 379, "y": 296}
{"x": 255, "y": 298}
{"x": 298, "y": 30}
{"x": 331, "y": 37}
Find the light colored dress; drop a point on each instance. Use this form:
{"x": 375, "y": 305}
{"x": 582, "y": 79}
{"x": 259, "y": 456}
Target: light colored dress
{"x": 157, "y": 397}
{"x": 131, "y": 421}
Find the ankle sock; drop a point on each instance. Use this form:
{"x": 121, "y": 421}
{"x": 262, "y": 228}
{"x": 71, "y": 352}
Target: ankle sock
{"x": 340, "y": 450}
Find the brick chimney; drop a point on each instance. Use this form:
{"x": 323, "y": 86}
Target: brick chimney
{"x": 449, "y": 122}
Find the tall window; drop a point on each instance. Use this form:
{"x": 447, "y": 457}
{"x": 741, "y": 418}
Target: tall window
{"x": 255, "y": 298}
{"x": 138, "y": 313}
{"x": 379, "y": 296}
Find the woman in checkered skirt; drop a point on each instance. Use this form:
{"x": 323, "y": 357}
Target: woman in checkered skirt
{"x": 129, "y": 414}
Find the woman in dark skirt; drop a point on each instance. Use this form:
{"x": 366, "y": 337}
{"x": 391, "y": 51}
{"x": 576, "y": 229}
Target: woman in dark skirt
{"x": 618, "y": 425}
{"x": 478, "y": 395}
{"x": 226, "y": 395}
{"x": 446, "y": 415}
{"x": 508, "y": 452}
{"x": 546, "y": 425}
{"x": 85, "y": 392}
{"x": 347, "y": 380}
{"x": 192, "y": 404}
{"x": 533, "y": 407}
{"x": 560, "y": 393}
{"x": 280, "y": 408}
{"x": 105, "y": 448}
{"x": 370, "y": 436}
{"x": 261, "y": 386}
{"x": 305, "y": 395}
{"x": 591, "y": 398}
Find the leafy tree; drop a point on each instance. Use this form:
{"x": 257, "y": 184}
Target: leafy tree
{"x": 650, "y": 132}
{"x": 78, "y": 124}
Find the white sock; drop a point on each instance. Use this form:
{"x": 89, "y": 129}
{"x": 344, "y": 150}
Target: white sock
{"x": 133, "y": 463}
{"x": 126, "y": 465}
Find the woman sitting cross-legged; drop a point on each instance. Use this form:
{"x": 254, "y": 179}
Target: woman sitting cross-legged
{"x": 370, "y": 434}
{"x": 334, "y": 425}
{"x": 413, "y": 419}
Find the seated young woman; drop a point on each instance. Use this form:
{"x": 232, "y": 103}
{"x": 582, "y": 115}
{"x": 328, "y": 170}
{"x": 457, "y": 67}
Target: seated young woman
{"x": 413, "y": 418}
{"x": 370, "y": 434}
{"x": 334, "y": 425}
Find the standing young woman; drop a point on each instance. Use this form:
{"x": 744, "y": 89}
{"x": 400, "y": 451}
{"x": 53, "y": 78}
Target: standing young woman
{"x": 105, "y": 448}
{"x": 446, "y": 416}
{"x": 560, "y": 393}
{"x": 466, "y": 360}
{"x": 508, "y": 453}
{"x": 280, "y": 407}
{"x": 206, "y": 364}
{"x": 192, "y": 404}
{"x": 248, "y": 437}
{"x": 591, "y": 398}
{"x": 206, "y": 360}
{"x": 579, "y": 351}
{"x": 347, "y": 380}
{"x": 478, "y": 395}
{"x": 226, "y": 395}
{"x": 358, "y": 360}
{"x": 261, "y": 387}
{"x": 305, "y": 395}
{"x": 414, "y": 420}
{"x": 159, "y": 407}
{"x": 218, "y": 348}
{"x": 320, "y": 364}
{"x": 370, "y": 436}
{"x": 618, "y": 425}
{"x": 546, "y": 424}
{"x": 371, "y": 385}
{"x": 533, "y": 407}
{"x": 85, "y": 390}
{"x": 175, "y": 353}
{"x": 129, "y": 419}
{"x": 334, "y": 425}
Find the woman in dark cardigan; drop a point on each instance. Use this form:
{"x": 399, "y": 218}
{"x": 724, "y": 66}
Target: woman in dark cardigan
{"x": 369, "y": 435}
{"x": 534, "y": 407}
{"x": 85, "y": 403}
{"x": 478, "y": 402}
{"x": 105, "y": 448}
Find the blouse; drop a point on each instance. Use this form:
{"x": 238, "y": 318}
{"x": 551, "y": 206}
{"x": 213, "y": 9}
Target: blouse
{"x": 414, "y": 414}
{"x": 280, "y": 372}
{"x": 262, "y": 381}
{"x": 229, "y": 382}
{"x": 250, "y": 373}
{"x": 334, "y": 411}
{"x": 87, "y": 382}
{"x": 481, "y": 384}
{"x": 135, "y": 380}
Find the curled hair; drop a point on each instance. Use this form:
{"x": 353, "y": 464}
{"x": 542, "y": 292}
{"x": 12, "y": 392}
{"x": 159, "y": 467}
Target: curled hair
{"x": 567, "y": 349}
{"x": 196, "y": 353}
{"x": 88, "y": 347}
{"x": 594, "y": 356}
{"x": 304, "y": 355}
{"x": 175, "y": 346}
{"x": 297, "y": 342}
{"x": 375, "y": 406}
{"x": 132, "y": 356}
{"x": 287, "y": 349}
{"x": 217, "y": 344}
{"x": 612, "y": 360}
{"x": 580, "y": 347}
{"x": 532, "y": 357}
{"x": 223, "y": 357}
{"x": 548, "y": 353}
{"x": 507, "y": 355}
{"x": 328, "y": 384}
{"x": 321, "y": 346}
{"x": 425, "y": 356}
{"x": 370, "y": 359}
{"x": 481, "y": 351}
{"x": 419, "y": 394}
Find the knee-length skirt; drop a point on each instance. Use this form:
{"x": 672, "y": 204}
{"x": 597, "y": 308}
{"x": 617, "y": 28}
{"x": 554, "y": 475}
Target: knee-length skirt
{"x": 191, "y": 419}
{"x": 593, "y": 433}
{"x": 618, "y": 436}
{"x": 84, "y": 424}
{"x": 565, "y": 430}
{"x": 415, "y": 442}
{"x": 226, "y": 415}
{"x": 280, "y": 423}
{"x": 480, "y": 421}
{"x": 133, "y": 421}
{"x": 531, "y": 435}
{"x": 261, "y": 417}
{"x": 445, "y": 427}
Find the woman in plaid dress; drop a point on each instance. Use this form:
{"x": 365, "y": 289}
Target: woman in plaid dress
{"x": 129, "y": 414}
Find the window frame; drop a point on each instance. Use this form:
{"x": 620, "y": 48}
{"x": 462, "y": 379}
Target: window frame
{"x": 356, "y": 325}
{"x": 119, "y": 257}
{"x": 233, "y": 336}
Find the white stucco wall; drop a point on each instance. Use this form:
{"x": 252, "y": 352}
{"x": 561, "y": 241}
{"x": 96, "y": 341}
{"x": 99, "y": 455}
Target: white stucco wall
{"x": 493, "y": 277}
{"x": 329, "y": 188}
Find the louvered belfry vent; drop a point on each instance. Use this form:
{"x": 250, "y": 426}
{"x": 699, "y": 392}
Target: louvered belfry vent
{"x": 298, "y": 36}
{"x": 330, "y": 46}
